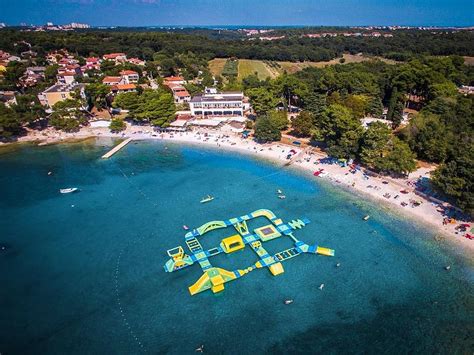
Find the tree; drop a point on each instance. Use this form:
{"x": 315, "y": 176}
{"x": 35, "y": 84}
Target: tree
{"x": 126, "y": 101}
{"x": 340, "y": 131}
{"x": 13, "y": 73}
{"x": 302, "y": 124}
{"x": 156, "y": 106}
{"x": 117, "y": 125}
{"x": 97, "y": 95}
{"x": 252, "y": 81}
{"x": 67, "y": 115}
{"x": 266, "y": 130}
{"x": 279, "y": 118}
{"x": 50, "y": 73}
{"x": 262, "y": 100}
{"x": 107, "y": 66}
{"x": 194, "y": 89}
{"x": 431, "y": 142}
{"x": 399, "y": 159}
{"x": 375, "y": 107}
{"x": 315, "y": 103}
{"x": 395, "y": 108}
{"x": 358, "y": 104}
{"x": 454, "y": 178}
{"x": 10, "y": 125}
{"x": 374, "y": 144}
{"x": 290, "y": 89}
{"x": 28, "y": 109}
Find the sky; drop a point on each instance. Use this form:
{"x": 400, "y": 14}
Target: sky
{"x": 239, "y": 12}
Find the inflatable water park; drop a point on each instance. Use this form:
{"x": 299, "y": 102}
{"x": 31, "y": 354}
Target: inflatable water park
{"x": 214, "y": 278}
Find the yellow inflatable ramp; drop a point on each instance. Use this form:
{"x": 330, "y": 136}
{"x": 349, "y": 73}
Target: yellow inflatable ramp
{"x": 276, "y": 269}
{"x": 325, "y": 251}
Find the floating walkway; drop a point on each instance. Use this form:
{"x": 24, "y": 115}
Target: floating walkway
{"x": 116, "y": 148}
{"x": 214, "y": 278}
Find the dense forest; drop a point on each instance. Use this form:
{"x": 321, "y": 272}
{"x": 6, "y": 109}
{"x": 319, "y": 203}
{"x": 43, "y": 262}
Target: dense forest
{"x": 210, "y": 44}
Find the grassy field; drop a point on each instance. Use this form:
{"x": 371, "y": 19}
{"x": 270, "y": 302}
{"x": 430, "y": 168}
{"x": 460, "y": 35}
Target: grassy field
{"x": 272, "y": 69}
{"x": 248, "y": 67}
{"x": 217, "y": 65}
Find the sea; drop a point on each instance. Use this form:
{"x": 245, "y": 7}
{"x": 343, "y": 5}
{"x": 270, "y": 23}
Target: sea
{"x": 82, "y": 273}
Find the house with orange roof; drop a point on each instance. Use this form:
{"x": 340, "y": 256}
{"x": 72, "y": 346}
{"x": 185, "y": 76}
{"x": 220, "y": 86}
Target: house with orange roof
{"x": 92, "y": 63}
{"x": 129, "y": 76}
{"x": 174, "y": 80}
{"x": 121, "y": 88}
{"x": 112, "y": 80}
{"x": 136, "y": 61}
{"x": 115, "y": 57}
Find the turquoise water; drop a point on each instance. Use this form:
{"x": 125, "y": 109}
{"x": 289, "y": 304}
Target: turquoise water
{"x": 90, "y": 279}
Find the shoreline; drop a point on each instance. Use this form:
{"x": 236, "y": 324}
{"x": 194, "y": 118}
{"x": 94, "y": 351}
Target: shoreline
{"x": 276, "y": 152}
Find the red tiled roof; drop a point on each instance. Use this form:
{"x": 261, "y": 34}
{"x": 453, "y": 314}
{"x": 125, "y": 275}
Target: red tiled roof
{"x": 182, "y": 93}
{"x": 135, "y": 60}
{"x": 128, "y": 72}
{"x": 124, "y": 86}
{"x": 92, "y": 60}
{"x": 173, "y": 78}
{"x": 114, "y": 55}
{"x": 67, "y": 73}
{"x": 111, "y": 79}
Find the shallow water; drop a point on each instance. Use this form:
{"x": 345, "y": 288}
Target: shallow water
{"x": 90, "y": 279}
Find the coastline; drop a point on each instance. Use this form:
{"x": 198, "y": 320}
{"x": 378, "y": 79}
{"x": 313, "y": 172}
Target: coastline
{"x": 277, "y": 152}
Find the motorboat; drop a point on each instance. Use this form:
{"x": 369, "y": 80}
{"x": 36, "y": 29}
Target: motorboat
{"x": 366, "y": 218}
{"x": 185, "y": 227}
{"x": 279, "y": 192}
{"x": 281, "y": 197}
{"x": 288, "y": 301}
{"x": 68, "y": 190}
{"x": 208, "y": 198}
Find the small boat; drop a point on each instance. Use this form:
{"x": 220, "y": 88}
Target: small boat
{"x": 281, "y": 197}
{"x": 279, "y": 192}
{"x": 366, "y": 218}
{"x": 68, "y": 190}
{"x": 209, "y": 198}
{"x": 185, "y": 227}
{"x": 288, "y": 301}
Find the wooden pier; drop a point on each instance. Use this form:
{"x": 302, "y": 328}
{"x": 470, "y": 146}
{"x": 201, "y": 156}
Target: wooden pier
{"x": 116, "y": 148}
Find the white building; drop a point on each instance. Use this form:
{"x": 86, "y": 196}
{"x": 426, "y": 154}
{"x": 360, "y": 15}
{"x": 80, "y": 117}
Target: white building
{"x": 129, "y": 76}
{"x": 212, "y": 103}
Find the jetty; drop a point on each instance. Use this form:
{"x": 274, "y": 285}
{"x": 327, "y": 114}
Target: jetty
{"x": 116, "y": 148}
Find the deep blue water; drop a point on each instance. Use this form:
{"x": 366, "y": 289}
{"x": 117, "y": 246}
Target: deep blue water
{"x": 90, "y": 279}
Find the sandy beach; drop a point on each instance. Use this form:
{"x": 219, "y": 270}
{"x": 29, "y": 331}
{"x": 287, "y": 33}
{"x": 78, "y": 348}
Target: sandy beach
{"x": 382, "y": 189}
